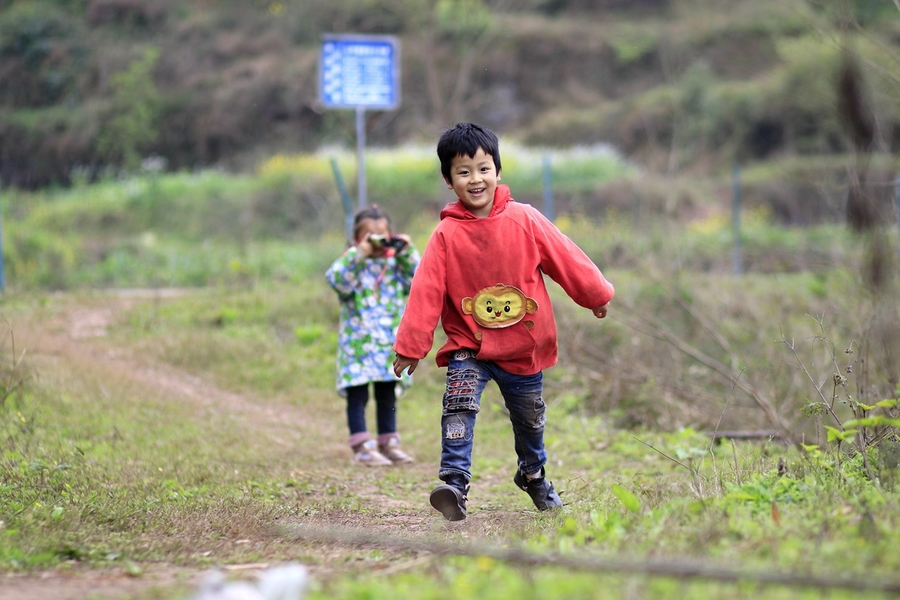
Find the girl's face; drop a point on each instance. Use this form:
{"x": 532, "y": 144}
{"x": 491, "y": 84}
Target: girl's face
{"x": 369, "y": 227}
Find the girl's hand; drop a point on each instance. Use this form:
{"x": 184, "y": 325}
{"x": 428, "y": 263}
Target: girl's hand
{"x": 601, "y": 311}
{"x": 365, "y": 247}
{"x": 406, "y": 239}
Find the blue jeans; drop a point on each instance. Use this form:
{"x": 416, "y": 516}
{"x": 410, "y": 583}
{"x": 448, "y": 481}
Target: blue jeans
{"x": 466, "y": 379}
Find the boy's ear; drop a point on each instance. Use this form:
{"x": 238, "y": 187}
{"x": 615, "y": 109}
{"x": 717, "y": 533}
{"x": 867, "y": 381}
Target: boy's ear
{"x": 449, "y": 183}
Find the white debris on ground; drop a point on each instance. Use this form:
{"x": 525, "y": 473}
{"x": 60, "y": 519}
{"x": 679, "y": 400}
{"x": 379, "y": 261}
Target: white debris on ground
{"x": 286, "y": 582}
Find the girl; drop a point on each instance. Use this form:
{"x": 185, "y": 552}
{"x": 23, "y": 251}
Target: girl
{"x": 372, "y": 280}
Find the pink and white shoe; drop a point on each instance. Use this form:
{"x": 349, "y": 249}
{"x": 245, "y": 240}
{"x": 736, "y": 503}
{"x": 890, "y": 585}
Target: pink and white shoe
{"x": 366, "y": 454}
{"x": 391, "y": 450}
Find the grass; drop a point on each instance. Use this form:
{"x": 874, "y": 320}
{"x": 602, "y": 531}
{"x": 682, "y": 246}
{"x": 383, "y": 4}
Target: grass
{"x": 196, "y": 428}
{"x": 105, "y": 467}
{"x": 97, "y": 470}
{"x": 209, "y": 228}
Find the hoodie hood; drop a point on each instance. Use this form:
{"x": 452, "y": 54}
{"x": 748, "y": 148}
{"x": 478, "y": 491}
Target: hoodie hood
{"x": 458, "y": 210}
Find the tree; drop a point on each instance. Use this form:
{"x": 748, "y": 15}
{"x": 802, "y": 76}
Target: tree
{"x": 135, "y": 109}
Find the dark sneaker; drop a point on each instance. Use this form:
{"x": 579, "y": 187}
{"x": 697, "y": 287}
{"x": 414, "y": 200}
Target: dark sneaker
{"x": 540, "y": 489}
{"x": 450, "y": 500}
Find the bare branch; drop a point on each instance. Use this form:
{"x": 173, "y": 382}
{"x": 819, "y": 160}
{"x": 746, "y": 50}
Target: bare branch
{"x": 651, "y": 326}
{"x": 655, "y": 449}
{"x": 652, "y": 566}
{"x": 809, "y": 376}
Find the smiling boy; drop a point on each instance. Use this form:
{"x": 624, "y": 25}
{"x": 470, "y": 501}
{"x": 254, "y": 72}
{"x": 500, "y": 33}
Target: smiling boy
{"x": 482, "y": 277}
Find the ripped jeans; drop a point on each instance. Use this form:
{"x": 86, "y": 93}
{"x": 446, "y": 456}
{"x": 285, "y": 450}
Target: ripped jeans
{"x": 466, "y": 379}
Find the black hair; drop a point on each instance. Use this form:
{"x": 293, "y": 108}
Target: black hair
{"x": 374, "y": 213}
{"x": 464, "y": 140}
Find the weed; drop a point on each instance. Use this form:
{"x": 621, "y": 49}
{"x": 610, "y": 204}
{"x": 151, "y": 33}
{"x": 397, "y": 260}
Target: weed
{"x": 11, "y": 368}
{"x": 861, "y": 418}
{"x": 202, "y": 425}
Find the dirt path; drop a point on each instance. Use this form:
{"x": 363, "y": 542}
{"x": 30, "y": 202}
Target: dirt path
{"x": 77, "y": 335}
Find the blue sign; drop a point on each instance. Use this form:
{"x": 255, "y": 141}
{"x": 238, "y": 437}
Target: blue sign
{"x": 360, "y": 71}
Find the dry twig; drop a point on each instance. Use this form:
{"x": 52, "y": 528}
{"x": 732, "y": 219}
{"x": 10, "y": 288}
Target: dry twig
{"x": 638, "y": 565}
{"x": 651, "y": 326}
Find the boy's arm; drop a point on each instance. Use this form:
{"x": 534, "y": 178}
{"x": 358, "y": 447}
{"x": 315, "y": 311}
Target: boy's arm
{"x": 415, "y": 335}
{"x": 568, "y": 265}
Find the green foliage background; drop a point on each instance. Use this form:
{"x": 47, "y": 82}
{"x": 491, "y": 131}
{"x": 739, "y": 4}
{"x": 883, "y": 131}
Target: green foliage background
{"x": 676, "y": 84}
{"x": 99, "y": 474}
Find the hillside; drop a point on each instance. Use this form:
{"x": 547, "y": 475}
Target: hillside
{"x": 88, "y": 85}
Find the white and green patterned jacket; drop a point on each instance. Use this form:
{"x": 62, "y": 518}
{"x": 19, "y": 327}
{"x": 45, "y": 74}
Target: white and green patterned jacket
{"x": 373, "y": 293}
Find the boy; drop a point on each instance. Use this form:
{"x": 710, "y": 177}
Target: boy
{"x": 481, "y": 276}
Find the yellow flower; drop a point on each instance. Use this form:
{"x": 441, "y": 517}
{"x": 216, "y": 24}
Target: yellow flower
{"x": 485, "y": 563}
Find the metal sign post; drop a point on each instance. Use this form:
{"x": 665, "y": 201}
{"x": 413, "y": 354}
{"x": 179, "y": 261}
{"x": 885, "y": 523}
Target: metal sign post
{"x": 361, "y": 155}
{"x": 548, "y": 188}
{"x": 2, "y": 273}
{"x": 360, "y": 72}
{"x": 736, "y": 258}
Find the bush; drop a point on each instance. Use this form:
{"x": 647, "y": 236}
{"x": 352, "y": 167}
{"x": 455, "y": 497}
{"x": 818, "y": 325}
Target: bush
{"x": 29, "y": 30}
{"x": 39, "y": 51}
{"x": 132, "y": 13}
{"x": 135, "y": 106}
{"x": 42, "y": 259}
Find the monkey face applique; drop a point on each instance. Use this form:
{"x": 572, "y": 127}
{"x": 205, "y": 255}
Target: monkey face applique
{"x": 499, "y": 306}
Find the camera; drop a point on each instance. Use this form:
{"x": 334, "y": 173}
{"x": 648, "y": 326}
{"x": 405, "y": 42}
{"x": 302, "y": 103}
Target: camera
{"x": 380, "y": 241}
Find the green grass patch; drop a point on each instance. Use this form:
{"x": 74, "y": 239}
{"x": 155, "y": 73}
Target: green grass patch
{"x": 199, "y": 426}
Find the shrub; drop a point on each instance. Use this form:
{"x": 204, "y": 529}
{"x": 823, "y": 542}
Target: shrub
{"x": 131, "y": 13}
{"x": 135, "y": 106}
{"x": 37, "y": 258}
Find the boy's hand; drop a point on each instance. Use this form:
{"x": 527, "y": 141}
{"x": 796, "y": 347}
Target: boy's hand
{"x": 402, "y": 362}
{"x": 601, "y": 311}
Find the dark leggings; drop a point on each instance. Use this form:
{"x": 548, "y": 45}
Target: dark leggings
{"x": 385, "y": 407}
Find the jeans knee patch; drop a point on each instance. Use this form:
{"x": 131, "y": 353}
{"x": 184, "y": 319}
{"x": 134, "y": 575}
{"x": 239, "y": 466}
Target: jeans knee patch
{"x": 456, "y": 431}
{"x": 538, "y": 419}
{"x": 462, "y": 391}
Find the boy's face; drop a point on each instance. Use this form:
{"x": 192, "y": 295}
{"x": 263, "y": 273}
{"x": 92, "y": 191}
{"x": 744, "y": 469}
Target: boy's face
{"x": 474, "y": 179}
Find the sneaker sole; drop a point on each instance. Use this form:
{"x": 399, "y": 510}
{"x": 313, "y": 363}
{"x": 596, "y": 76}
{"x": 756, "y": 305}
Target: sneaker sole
{"x": 370, "y": 463}
{"x": 401, "y": 461}
{"x": 446, "y": 502}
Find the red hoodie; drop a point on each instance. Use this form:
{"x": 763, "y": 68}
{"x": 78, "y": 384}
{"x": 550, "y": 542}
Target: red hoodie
{"x": 457, "y": 283}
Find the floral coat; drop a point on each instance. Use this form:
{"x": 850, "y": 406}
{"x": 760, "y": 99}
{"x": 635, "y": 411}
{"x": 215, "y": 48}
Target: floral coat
{"x": 372, "y": 293}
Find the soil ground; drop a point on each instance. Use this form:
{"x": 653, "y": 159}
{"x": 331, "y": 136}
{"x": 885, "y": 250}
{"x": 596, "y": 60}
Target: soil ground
{"x": 77, "y": 335}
